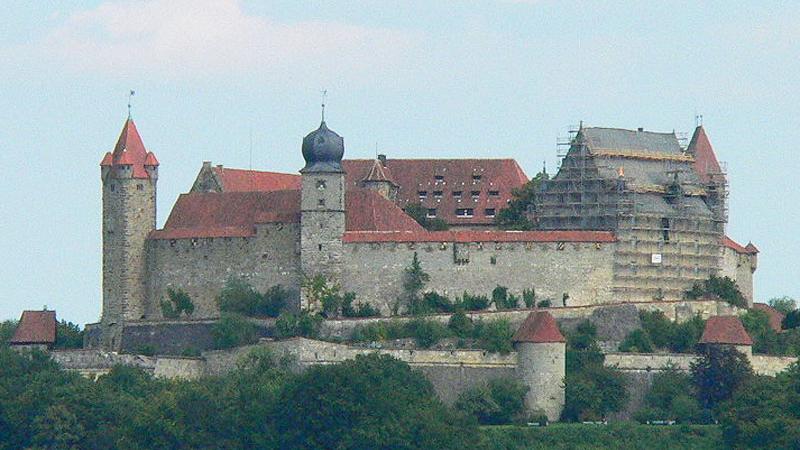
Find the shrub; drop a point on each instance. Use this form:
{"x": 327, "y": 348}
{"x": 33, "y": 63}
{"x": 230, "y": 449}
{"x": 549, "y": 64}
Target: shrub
{"x": 178, "y": 303}
{"x": 380, "y": 331}
{"x": 501, "y": 401}
{"x": 529, "y": 297}
{"x": 304, "y": 324}
{"x": 792, "y": 320}
{"x": 435, "y": 302}
{"x": 765, "y": 339}
{"x": 361, "y": 310}
{"x": 495, "y": 336}
{"x": 238, "y": 297}
{"x": 233, "y": 330}
{"x": 669, "y": 398}
{"x": 68, "y": 335}
{"x": 474, "y": 302}
{"x": 718, "y": 373}
{"x": 546, "y": 303}
{"x": 146, "y": 350}
{"x": 637, "y": 341}
{"x": 666, "y": 334}
{"x": 273, "y": 301}
{"x": 723, "y": 288}
{"x": 461, "y": 325}
{"x": 426, "y": 332}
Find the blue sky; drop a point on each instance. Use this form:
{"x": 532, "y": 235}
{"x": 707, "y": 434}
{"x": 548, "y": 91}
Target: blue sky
{"x": 448, "y": 78}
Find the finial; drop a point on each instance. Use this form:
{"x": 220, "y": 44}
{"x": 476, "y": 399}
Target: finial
{"x": 698, "y": 120}
{"x": 324, "y": 94}
{"x": 544, "y": 166}
{"x": 129, "y": 102}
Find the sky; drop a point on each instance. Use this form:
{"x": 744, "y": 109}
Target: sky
{"x": 235, "y": 81}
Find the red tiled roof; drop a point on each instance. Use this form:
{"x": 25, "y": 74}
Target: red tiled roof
{"x": 379, "y": 173}
{"x": 151, "y": 159}
{"x": 107, "y": 159}
{"x": 705, "y": 160}
{"x": 738, "y": 248}
{"x": 775, "y": 316}
{"x": 539, "y": 327}
{"x": 415, "y": 175}
{"x": 464, "y": 236}
{"x": 239, "y": 180}
{"x": 130, "y": 151}
{"x": 35, "y": 327}
{"x": 725, "y": 330}
{"x": 235, "y": 214}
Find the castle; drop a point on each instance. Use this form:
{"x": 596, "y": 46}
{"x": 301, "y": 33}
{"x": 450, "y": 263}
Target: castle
{"x": 631, "y": 216}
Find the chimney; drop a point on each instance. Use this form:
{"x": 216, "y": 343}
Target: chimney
{"x": 382, "y": 159}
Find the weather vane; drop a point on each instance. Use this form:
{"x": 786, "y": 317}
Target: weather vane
{"x": 129, "y": 102}
{"x": 324, "y": 94}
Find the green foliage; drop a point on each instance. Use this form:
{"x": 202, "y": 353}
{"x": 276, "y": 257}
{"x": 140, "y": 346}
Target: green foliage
{"x": 419, "y": 213}
{"x": 637, "y": 341}
{"x": 146, "y": 350}
{"x": 359, "y": 310}
{"x": 334, "y": 304}
{"x": 7, "y": 331}
{"x": 68, "y": 335}
{"x": 494, "y": 336}
{"x": 592, "y": 390}
{"x": 529, "y": 297}
{"x": 723, "y": 288}
{"x": 426, "y": 333}
{"x": 718, "y": 373}
{"x": 239, "y": 297}
{"x": 669, "y": 398}
{"x": 233, "y": 330}
{"x": 461, "y": 325}
{"x": 303, "y": 324}
{"x": 414, "y": 281}
{"x": 764, "y": 412}
{"x": 471, "y": 302}
{"x": 514, "y": 216}
{"x": 176, "y": 304}
{"x": 502, "y": 299}
{"x": 668, "y": 335}
{"x": 546, "y": 303}
{"x": 433, "y": 302}
{"x": 783, "y": 304}
{"x": 792, "y": 320}
{"x": 373, "y": 401}
{"x": 380, "y": 331}
{"x": 500, "y": 401}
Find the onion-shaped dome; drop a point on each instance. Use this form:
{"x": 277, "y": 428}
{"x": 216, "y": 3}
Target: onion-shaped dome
{"x": 323, "y": 150}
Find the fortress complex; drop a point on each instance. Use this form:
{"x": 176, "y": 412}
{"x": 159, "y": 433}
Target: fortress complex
{"x": 631, "y": 216}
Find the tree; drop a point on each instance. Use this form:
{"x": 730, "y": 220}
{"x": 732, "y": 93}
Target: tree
{"x": 68, "y": 335}
{"x": 233, "y": 330}
{"x": 414, "y": 280}
{"x": 670, "y": 398}
{"x": 637, "y": 341}
{"x": 514, "y": 216}
{"x": 723, "y": 288}
{"x": 783, "y": 304}
{"x": 718, "y": 373}
{"x": 500, "y": 401}
{"x": 177, "y": 303}
{"x": 304, "y": 324}
{"x": 792, "y": 320}
{"x": 373, "y": 401}
{"x": 765, "y": 339}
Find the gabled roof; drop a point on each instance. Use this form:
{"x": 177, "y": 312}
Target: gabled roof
{"x": 379, "y": 173}
{"x": 750, "y": 249}
{"x": 130, "y": 151}
{"x": 500, "y": 176}
{"x": 775, "y": 317}
{"x": 35, "y": 327}
{"x": 705, "y": 160}
{"x": 637, "y": 142}
{"x": 366, "y": 210}
{"x": 725, "y": 330}
{"x": 240, "y": 180}
{"x": 539, "y": 327}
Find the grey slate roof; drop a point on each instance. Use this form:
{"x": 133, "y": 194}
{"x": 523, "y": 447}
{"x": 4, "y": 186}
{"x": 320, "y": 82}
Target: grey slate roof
{"x": 619, "y": 139}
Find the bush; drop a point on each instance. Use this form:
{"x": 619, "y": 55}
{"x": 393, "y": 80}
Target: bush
{"x": 529, "y": 297}
{"x": 304, "y": 324}
{"x": 360, "y": 310}
{"x": 461, "y": 325}
{"x": 546, "y": 303}
{"x": 7, "y": 329}
{"x": 273, "y": 301}
{"x": 669, "y": 398}
{"x": 68, "y": 335}
{"x": 146, "y": 350}
{"x": 668, "y": 335}
{"x": 426, "y": 333}
{"x": 178, "y": 303}
{"x": 637, "y": 341}
{"x": 233, "y": 330}
{"x": 495, "y": 336}
{"x": 435, "y": 302}
{"x": 501, "y": 401}
{"x": 792, "y": 320}
{"x": 238, "y": 297}
{"x": 380, "y": 331}
{"x": 473, "y": 302}
{"x": 723, "y": 288}
{"x": 501, "y": 299}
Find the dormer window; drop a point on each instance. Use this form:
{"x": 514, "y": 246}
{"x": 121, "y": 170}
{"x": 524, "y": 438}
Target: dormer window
{"x": 422, "y": 195}
{"x": 457, "y": 194}
{"x": 494, "y": 193}
{"x": 476, "y": 178}
{"x": 465, "y": 212}
{"x": 490, "y": 212}
{"x": 475, "y": 194}
{"x": 437, "y": 194}
{"x": 438, "y": 178}
{"x": 431, "y": 213}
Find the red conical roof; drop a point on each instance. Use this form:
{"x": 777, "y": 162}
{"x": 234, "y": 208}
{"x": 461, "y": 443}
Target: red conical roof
{"x": 130, "y": 150}
{"x": 705, "y": 160}
{"x": 107, "y": 160}
{"x": 539, "y": 327}
{"x": 151, "y": 159}
{"x": 725, "y": 330}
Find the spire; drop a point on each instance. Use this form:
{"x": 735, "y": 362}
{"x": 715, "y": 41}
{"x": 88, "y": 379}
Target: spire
{"x": 706, "y": 164}
{"x": 129, "y": 102}
{"x": 324, "y": 94}
{"x": 130, "y": 151}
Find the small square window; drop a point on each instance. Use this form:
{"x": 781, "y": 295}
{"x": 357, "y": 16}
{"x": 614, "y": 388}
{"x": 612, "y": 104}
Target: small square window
{"x": 438, "y": 178}
{"x": 465, "y": 212}
{"x": 321, "y": 202}
{"x": 431, "y": 213}
{"x": 437, "y": 194}
{"x": 490, "y": 212}
{"x": 457, "y": 194}
{"x": 494, "y": 193}
{"x": 475, "y": 194}
{"x": 422, "y": 195}
{"x": 139, "y": 187}
{"x": 476, "y": 177}
{"x": 321, "y": 185}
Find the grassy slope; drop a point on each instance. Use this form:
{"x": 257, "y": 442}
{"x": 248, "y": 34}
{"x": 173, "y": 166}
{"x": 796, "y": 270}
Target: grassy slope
{"x": 620, "y": 435}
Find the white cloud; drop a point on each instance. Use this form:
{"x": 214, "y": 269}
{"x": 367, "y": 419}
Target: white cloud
{"x": 185, "y": 37}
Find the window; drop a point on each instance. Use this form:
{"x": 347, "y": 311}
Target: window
{"x": 321, "y": 202}
{"x": 665, "y": 229}
{"x": 438, "y": 178}
{"x": 475, "y": 194}
{"x": 437, "y": 194}
{"x": 319, "y": 246}
{"x": 476, "y": 177}
{"x": 321, "y": 185}
{"x": 490, "y": 212}
{"x": 431, "y": 213}
{"x": 494, "y": 193}
{"x": 465, "y": 212}
{"x": 139, "y": 187}
{"x": 422, "y": 195}
{"x": 457, "y": 194}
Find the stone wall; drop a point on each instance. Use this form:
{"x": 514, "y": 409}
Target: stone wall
{"x": 175, "y": 337}
{"x": 740, "y": 268}
{"x": 583, "y": 271}
{"x": 201, "y": 266}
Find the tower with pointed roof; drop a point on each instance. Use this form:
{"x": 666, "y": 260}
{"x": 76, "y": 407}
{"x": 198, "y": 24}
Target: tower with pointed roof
{"x": 379, "y": 179}
{"x": 129, "y": 174}
{"x": 322, "y": 208}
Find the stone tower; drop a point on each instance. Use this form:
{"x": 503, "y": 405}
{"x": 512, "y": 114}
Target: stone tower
{"x": 379, "y": 180}
{"x": 129, "y": 176}
{"x": 541, "y": 363}
{"x": 322, "y": 204}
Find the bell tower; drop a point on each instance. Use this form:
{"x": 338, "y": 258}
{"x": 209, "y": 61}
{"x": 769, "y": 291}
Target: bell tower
{"x": 129, "y": 176}
{"x": 322, "y": 208}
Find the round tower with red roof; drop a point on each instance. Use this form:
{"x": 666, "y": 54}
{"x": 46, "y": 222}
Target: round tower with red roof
{"x": 541, "y": 363}
{"x": 129, "y": 175}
